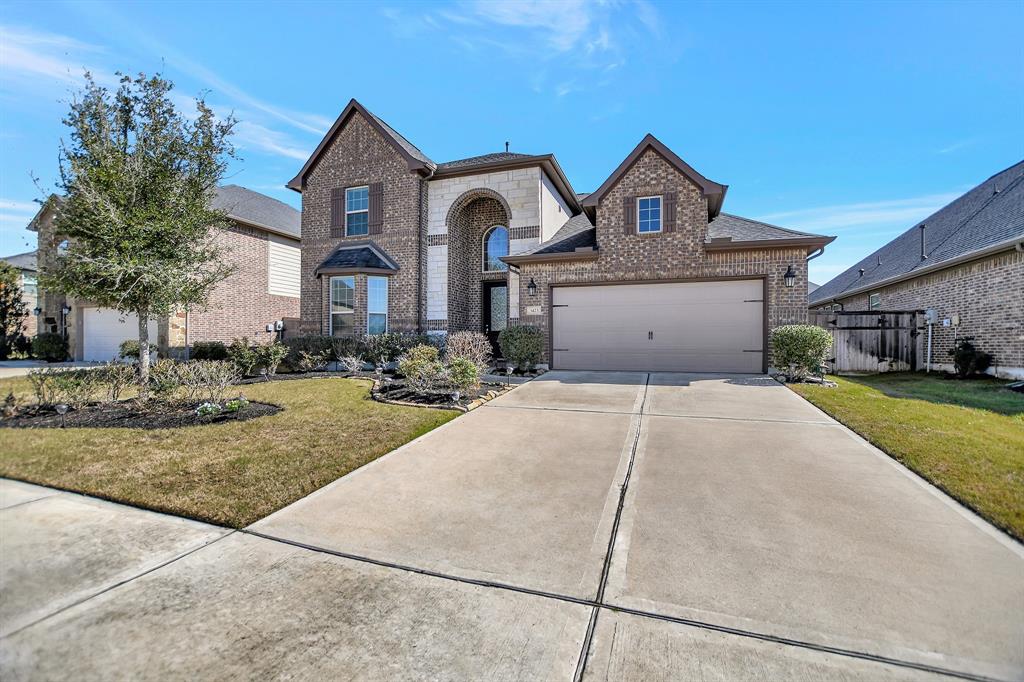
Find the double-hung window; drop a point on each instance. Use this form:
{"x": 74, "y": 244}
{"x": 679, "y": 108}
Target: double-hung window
{"x": 343, "y": 303}
{"x": 357, "y": 211}
{"x": 648, "y": 212}
{"x": 376, "y": 305}
{"x": 875, "y": 301}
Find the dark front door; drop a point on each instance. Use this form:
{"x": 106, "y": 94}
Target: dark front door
{"x": 495, "y": 312}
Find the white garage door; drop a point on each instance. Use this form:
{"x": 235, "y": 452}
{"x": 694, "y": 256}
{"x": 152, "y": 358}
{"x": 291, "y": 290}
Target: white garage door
{"x": 103, "y": 330}
{"x": 672, "y": 327}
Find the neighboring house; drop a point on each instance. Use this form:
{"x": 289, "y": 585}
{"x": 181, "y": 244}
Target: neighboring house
{"x": 966, "y": 262}
{"x": 646, "y": 273}
{"x": 263, "y": 245}
{"x": 812, "y": 287}
{"x": 26, "y": 263}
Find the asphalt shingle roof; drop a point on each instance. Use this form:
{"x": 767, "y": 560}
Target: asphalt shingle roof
{"x": 481, "y": 160}
{"x": 357, "y": 258}
{"x": 991, "y": 213}
{"x": 22, "y": 261}
{"x": 577, "y": 232}
{"x": 259, "y": 209}
{"x": 409, "y": 147}
{"x": 747, "y": 230}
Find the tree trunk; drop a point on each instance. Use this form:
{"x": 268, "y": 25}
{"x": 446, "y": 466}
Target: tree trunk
{"x": 144, "y": 355}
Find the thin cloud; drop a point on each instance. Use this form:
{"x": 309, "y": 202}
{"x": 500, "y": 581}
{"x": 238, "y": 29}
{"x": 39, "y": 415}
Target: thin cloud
{"x": 27, "y": 55}
{"x": 957, "y": 146}
{"x": 878, "y": 213}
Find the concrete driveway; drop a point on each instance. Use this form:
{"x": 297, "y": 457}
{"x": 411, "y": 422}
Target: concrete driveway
{"x": 597, "y": 525}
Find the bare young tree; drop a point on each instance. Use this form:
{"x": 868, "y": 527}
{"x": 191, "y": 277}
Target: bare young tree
{"x": 138, "y": 178}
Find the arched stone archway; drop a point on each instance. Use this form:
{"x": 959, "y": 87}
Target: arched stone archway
{"x": 471, "y": 216}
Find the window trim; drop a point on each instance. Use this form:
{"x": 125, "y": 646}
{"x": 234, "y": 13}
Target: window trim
{"x": 362, "y": 210}
{"x": 387, "y": 296}
{"x": 330, "y": 302}
{"x": 483, "y": 248}
{"x": 877, "y": 304}
{"x": 661, "y": 210}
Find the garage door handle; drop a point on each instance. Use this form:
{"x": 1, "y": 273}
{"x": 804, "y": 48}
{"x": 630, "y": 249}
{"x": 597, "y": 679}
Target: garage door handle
{"x": 650, "y": 336}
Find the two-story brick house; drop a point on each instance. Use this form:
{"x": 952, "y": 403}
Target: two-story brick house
{"x": 644, "y": 273}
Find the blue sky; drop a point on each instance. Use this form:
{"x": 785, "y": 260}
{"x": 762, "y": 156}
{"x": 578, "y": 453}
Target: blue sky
{"x": 853, "y": 119}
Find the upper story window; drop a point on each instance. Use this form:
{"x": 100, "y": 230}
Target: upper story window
{"x": 343, "y": 303}
{"x": 357, "y": 211}
{"x": 29, "y": 284}
{"x": 648, "y": 212}
{"x": 495, "y": 246}
{"x": 875, "y": 301}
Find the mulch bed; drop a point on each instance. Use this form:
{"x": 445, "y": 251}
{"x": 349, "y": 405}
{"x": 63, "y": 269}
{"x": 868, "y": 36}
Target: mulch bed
{"x": 395, "y": 391}
{"x": 128, "y": 414}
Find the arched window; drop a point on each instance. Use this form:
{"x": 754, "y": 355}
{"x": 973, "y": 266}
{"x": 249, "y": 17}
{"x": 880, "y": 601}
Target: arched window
{"x": 495, "y": 246}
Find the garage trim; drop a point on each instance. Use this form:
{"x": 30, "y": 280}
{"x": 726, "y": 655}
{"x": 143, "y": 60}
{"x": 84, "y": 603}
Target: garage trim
{"x": 676, "y": 280}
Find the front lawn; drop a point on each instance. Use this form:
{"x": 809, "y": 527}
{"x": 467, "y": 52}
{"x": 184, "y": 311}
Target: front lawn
{"x": 966, "y": 437}
{"x": 230, "y": 474}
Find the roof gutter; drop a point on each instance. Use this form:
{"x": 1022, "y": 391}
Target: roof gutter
{"x": 265, "y": 228}
{"x": 582, "y": 254}
{"x": 1015, "y": 243}
{"x": 728, "y": 244}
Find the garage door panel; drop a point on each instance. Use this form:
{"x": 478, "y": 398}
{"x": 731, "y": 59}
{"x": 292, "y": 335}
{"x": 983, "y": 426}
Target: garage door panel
{"x": 104, "y": 329}
{"x": 683, "y": 327}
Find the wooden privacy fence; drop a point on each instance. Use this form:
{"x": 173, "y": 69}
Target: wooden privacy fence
{"x": 873, "y": 340}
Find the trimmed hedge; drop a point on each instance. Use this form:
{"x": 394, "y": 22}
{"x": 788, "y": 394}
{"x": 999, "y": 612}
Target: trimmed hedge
{"x": 523, "y": 346}
{"x": 800, "y": 350}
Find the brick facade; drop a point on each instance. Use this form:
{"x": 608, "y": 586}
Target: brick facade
{"x": 988, "y": 297}
{"x": 467, "y": 227}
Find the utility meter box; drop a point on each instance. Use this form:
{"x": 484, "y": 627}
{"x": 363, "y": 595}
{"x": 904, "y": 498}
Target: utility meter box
{"x": 931, "y": 316}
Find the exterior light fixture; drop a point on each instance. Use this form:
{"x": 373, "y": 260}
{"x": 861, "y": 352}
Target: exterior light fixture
{"x": 531, "y": 288}
{"x": 790, "y": 277}
{"x": 37, "y": 311}
{"x": 66, "y": 310}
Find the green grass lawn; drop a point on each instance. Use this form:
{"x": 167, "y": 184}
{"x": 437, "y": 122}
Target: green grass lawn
{"x": 230, "y": 474}
{"x": 966, "y": 437}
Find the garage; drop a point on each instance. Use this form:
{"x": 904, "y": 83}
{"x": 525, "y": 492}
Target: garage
{"x": 695, "y": 326}
{"x": 103, "y": 330}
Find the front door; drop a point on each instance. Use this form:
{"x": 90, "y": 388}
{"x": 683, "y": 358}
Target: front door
{"x": 495, "y": 312}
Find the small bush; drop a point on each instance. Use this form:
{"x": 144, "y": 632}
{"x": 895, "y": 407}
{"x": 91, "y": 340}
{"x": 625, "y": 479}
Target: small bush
{"x": 243, "y": 356}
{"x": 422, "y": 368}
{"x": 523, "y": 346}
{"x": 312, "y": 345}
{"x": 209, "y": 410}
{"x": 208, "y": 350}
{"x": 128, "y": 350}
{"x": 116, "y": 377}
{"x": 351, "y": 364}
{"x": 968, "y": 360}
{"x": 347, "y": 347}
{"x": 75, "y": 388}
{"x": 463, "y": 374}
{"x": 206, "y": 380}
{"x": 164, "y": 379}
{"x": 236, "y": 404}
{"x": 473, "y": 346}
{"x": 380, "y": 349}
{"x": 270, "y": 355}
{"x": 800, "y": 350}
{"x": 312, "y": 362}
{"x": 50, "y": 347}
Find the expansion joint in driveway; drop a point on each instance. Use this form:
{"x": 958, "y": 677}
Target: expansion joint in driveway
{"x": 588, "y": 639}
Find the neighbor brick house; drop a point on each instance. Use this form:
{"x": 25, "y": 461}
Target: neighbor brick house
{"x": 965, "y": 262}
{"x": 644, "y": 273}
{"x": 263, "y": 245}
{"x": 26, "y": 265}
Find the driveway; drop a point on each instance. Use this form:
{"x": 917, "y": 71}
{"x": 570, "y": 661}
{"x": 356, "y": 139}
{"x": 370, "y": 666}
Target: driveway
{"x": 597, "y": 525}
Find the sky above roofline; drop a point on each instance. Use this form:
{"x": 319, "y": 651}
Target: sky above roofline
{"x": 836, "y": 119}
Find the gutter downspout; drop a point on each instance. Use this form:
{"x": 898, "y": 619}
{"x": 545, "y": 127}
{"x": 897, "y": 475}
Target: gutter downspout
{"x": 421, "y": 303}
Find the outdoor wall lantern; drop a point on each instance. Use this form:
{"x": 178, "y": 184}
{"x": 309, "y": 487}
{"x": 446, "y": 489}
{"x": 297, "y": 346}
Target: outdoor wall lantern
{"x": 37, "y": 311}
{"x": 790, "y": 277}
{"x": 531, "y": 288}
{"x": 66, "y": 310}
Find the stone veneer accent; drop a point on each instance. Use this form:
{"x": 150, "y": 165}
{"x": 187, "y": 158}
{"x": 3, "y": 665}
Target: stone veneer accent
{"x": 987, "y": 294}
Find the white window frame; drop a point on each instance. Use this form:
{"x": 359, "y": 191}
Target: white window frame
{"x": 362, "y": 210}
{"x": 875, "y": 300}
{"x": 661, "y": 216}
{"x": 330, "y": 303}
{"x": 483, "y": 247}
{"x": 369, "y": 310}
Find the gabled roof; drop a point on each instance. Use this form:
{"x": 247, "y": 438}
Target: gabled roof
{"x": 258, "y": 210}
{"x": 986, "y": 219}
{"x": 362, "y": 256}
{"x": 416, "y": 159}
{"x": 731, "y": 232}
{"x": 501, "y": 161}
{"x": 576, "y": 239}
{"x": 22, "y": 261}
{"x": 714, "y": 191}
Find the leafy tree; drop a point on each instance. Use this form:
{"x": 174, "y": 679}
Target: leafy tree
{"x": 138, "y": 177}
{"x": 12, "y": 309}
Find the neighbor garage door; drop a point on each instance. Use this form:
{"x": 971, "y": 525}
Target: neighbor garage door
{"x": 103, "y": 330}
{"x": 671, "y": 327}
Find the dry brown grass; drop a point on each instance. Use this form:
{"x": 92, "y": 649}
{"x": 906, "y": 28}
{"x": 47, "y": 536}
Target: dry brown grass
{"x": 230, "y": 474}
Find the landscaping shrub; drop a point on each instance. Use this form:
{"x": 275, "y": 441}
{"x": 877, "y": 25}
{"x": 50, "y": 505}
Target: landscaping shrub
{"x": 270, "y": 355}
{"x": 243, "y": 356}
{"x": 463, "y": 374}
{"x": 116, "y": 377}
{"x": 311, "y": 345}
{"x": 473, "y": 346}
{"x": 380, "y": 349}
{"x": 209, "y": 350}
{"x": 164, "y": 379}
{"x": 206, "y": 380}
{"x": 422, "y": 368}
{"x": 523, "y": 346}
{"x": 50, "y": 347}
{"x": 347, "y": 347}
{"x": 128, "y": 350}
{"x": 75, "y": 388}
{"x": 43, "y": 386}
{"x": 236, "y": 404}
{"x": 312, "y": 362}
{"x": 351, "y": 364}
{"x": 968, "y": 360}
{"x": 800, "y": 350}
